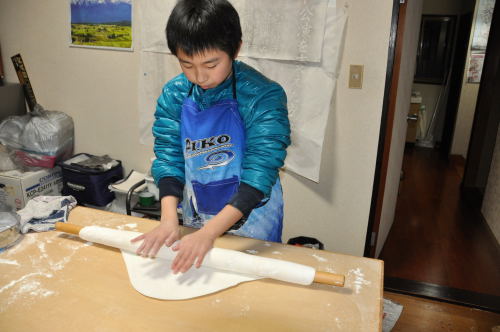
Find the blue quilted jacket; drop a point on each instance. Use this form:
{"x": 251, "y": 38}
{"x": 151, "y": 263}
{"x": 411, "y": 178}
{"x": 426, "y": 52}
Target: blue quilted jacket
{"x": 262, "y": 105}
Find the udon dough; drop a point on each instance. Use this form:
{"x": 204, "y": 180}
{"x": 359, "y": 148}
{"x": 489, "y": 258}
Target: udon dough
{"x": 222, "y": 268}
{"x": 153, "y": 278}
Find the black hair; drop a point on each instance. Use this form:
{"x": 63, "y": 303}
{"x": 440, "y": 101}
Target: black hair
{"x": 195, "y": 26}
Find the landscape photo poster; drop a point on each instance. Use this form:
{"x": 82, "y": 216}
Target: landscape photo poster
{"x": 475, "y": 68}
{"x": 101, "y": 24}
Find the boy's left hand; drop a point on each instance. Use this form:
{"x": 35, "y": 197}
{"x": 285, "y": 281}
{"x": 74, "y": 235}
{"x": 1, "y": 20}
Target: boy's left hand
{"x": 192, "y": 248}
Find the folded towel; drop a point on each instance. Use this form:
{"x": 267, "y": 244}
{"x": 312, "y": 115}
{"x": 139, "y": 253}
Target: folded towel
{"x": 42, "y": 212}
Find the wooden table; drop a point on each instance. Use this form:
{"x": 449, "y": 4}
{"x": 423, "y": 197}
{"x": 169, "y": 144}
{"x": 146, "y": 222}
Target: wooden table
{"x": 56, "y": 282}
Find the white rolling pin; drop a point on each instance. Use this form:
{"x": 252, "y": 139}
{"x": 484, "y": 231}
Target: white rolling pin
{"x": 218, "y": 258}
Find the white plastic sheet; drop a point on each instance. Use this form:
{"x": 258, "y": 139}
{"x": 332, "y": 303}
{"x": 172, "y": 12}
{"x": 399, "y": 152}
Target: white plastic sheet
{"x": 296, "y": 43}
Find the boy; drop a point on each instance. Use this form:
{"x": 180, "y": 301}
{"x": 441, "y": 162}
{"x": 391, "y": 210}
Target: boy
{"x": 221, "y": 134}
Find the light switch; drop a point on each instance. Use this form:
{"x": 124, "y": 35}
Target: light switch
{"x": 356, "y": 76}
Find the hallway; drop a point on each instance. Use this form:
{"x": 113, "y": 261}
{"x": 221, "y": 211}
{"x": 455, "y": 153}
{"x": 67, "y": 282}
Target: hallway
{"x": 436, "y": 238}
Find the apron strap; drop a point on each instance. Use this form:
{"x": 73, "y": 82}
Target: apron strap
{"x": 191, "y": 89}
{"x": 234, "y": 82}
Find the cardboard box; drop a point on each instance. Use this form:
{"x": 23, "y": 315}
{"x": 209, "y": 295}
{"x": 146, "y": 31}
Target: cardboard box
{"x": 20, "y": 187}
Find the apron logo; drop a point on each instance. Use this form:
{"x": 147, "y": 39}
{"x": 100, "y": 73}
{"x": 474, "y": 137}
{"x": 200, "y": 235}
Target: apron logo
{"x": 217, "y": 159}
{"x": 206, "y": 145}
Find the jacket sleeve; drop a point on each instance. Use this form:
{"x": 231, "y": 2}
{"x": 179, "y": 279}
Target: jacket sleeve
{"x": 168, "y": 168}
{"x": 267, "y": 137}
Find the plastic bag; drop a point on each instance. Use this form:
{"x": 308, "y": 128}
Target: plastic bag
{"x": 39, "y": 138}
{"x": 6, "y": 160}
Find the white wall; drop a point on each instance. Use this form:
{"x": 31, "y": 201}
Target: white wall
{"x": 491, "y": 206}
{"x": 465, "y": 118}
{"x": 99, "y": 90}
{"x": 404, "y": 88}
{"x": 467, "y": 105}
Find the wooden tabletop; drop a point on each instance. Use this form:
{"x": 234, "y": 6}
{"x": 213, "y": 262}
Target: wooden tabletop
{"x": 57, "y": 282}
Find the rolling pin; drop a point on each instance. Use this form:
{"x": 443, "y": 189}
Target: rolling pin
{"x": 223, "y": 259}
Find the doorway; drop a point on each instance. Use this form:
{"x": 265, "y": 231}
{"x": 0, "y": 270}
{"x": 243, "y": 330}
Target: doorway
{"x": 439, "y": 244}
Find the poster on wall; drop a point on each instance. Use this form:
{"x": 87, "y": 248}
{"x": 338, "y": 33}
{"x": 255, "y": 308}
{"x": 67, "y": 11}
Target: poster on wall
{"x": 101, "y": 24}
{"x": 475, "y": 68}
{"x": 482, "y": 24}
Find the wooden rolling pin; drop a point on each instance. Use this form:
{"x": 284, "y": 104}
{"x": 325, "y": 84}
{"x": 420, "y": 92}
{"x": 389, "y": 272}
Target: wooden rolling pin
{"x": 319, "y": 276}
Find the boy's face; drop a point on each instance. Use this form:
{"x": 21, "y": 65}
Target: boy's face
{"x": 207, "y": 69}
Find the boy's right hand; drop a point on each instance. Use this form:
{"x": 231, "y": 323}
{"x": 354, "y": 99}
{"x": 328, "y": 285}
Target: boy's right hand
{"x": 164, "y": 234}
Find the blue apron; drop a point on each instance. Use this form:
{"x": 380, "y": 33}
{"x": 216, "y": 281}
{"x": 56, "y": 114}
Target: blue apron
{"x": 213, "y": 141}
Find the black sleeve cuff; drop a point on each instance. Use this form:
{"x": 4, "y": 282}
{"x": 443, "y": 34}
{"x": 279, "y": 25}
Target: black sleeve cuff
{"x": 246, "y": 199}
{"x": 170, "y": 186}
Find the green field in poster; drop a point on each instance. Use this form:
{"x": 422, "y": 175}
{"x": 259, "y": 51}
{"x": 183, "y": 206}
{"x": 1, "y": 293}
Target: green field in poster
{"x": 103, "y": 35}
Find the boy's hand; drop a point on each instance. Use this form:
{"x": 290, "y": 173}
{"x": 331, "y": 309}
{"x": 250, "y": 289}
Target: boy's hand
{"x": 164, "y": 234}
{"x": 191, "y": 250}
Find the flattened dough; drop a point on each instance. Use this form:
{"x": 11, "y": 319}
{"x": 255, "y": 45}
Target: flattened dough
{"x": 153, "y": 278}
{"x": 222, "y": 268}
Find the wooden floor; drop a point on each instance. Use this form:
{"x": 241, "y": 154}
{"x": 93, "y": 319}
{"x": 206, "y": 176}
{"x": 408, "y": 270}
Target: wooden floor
{"x": 436, "y": 237}
{"x": 433, "y": 316}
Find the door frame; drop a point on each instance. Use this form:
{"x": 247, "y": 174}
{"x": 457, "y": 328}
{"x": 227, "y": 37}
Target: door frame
{"x": 386, "y": 124}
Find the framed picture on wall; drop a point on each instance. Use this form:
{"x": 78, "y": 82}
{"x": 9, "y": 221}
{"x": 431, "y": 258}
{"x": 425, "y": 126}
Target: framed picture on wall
{"x": 101, "y": 24}
{"x": 482, "y": 24}
{"x": 475, "y": 68}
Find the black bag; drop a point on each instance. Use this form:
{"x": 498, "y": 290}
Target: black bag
{"x": 88, "y": 185}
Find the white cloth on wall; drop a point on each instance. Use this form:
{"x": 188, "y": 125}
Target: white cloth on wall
{"x": 283, "y": 29}
{"x": 153, "y": 16}
{"x": 156, "y": 69}
{"x": 298, "y": 28}
{"x": 302, "y": 54}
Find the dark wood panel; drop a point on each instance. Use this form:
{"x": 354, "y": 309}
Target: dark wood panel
{"x": 442, "y": 293}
